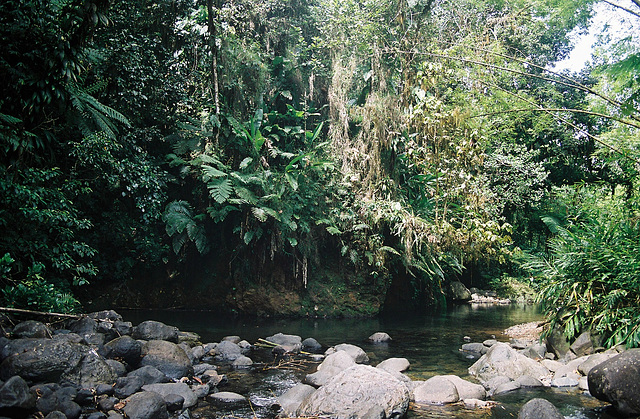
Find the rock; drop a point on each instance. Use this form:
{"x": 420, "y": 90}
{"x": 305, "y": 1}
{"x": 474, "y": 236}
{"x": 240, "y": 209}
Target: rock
{"x": 153, "y": 330}
{"x": 233, "y": 339}
{"x": 89, "y": 372}
{"x": 227, "y": 351}
{"x": 506, "y": 387}
{"x": 494, "y": 383}
{"x": 15, "y": 398}
{"x": 474, "y": 347}
{"x": 501, "y": 359}
{"x": 558, "y": 344}
{"x": 199, "y": 369}
{"x": 212, "y": 377}
{"x": 61, "y": 400}
{"x": 519, "y": 344}
{"x": 85, "y": 325}
{"x": 570, "y": 369}
{"x": 42, "y": 360}
{"x": 478, "y": 404}
{"x": 617, "y": 381}
{"x": 31, "y": 329}
{"x": 466, "y": 389}
{"x": 56, "y": 414}
{"x": 125, "y": 348}
{"x": 227, "y": 399}
{"x": 182, "y": 389}
{"x": 149, "y": 375}
{"x": 107, "y": 403}
{"x": 394, "y": 364}
{"x": 459, "y": 292}
{"x": 145, "y": 405}
{"x": 582, "y": 345}
{"x": 583, "y": 383}
{"x": 528, "y": 381}
{"x": 551, "y": 365}
{"x": 96, "y": 415}
{"x": 536, "y": 351}
{"x": 190, "y": 338}
{"x": 242, "y": 362}
{"x": 126, "y": 386}
{"x": 286, "y": 343}
{"x": 592, "y": 361}
{"x": 311, "y": 345}
{"x": 355, "y": 391}
{"x": 436, "y": 390}
{"x": 95, "y": 340}
{"x": 174, "y": 402}
{"x": 539, "y": 409}
{"x": 118, "y": 368}
{"x": 330, "y": 367}
{"x": 564, "y": 382}
{"x": 291, "y": 399}
{"x": 355, "y": 352}
{"x": 197, "y": 352}
{"x": 489, "y": 342}
{"x": 379, "y": 337}
{"x": 201, "y": 390}
{"x": 105, "y": 315}
{"x": 166, "y": 357}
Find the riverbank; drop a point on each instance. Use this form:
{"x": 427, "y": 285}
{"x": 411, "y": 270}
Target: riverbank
{"x": 230, "y": 374}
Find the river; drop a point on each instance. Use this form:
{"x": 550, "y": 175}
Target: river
{"x": 429, "y": 342}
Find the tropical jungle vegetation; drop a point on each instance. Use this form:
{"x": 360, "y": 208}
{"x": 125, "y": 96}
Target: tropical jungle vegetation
{"x": 320, "y": 157}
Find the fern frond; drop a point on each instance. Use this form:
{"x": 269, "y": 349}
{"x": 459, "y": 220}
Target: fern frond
{"x": 220, "y": 189}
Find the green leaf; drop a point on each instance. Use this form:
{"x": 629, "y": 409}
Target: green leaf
{"x": 209, "y": 172}
{"x": 220, "y": 189}
{"x": 245, "y": 163}
{"x": 333, "y": 230}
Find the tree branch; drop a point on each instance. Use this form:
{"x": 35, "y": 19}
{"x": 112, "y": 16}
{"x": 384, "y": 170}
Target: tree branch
{"x": 636, "y": 2}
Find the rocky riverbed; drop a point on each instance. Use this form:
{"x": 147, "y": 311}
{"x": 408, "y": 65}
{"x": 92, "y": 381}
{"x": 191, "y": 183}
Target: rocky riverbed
{"x": 100, "y": 366}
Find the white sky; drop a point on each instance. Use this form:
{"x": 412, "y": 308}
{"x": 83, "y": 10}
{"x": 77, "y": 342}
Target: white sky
{"x": 615, "y": 18}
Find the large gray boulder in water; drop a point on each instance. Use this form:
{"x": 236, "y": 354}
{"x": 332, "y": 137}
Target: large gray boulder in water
{"x": 617, "y": 381}
{"x": 153, "y": 330}
{"x": 459, "y": 292}
{"x": 359, "y": 392}
{"x": 167, "y": 357}
{"x": 502, "y": 360}
{"x": 539, "y": 409}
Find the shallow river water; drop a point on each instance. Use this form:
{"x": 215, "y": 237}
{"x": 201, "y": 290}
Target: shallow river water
{"x": 429, "y": 342}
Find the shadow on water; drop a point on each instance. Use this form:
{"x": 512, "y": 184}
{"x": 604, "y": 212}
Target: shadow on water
{"x": 429, "y": 342}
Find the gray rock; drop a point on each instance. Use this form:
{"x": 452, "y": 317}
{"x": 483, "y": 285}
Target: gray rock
{"x": 227, "y": 399}
{"x": 489, "y": 342}
{"x": 551, "y": 365}
{"x": 592, "y": 361}
{"x": 558, "y": 344}
{"x": 15, "y": 397}
{"x": 167, "y": 357}
{"x": 227, "y": 351}
{"x": 126, "y": 386}
{"x": 174, "y": 402}
{"x": 31, "y": 329}
{"x": 96, "y": 415}
{"x": 506, "y": 387}
{"x": 199, "y": 369}
{"x": 436, "y": 390}
{"x": 564, "y": 382}
{"x": 201, "y": 390}
{"x": 286, "y": 343}
{"x": 83, "y": 326}
{"x": 583, "y": 383}
{"x": 330, "y": 367}
{"x": 536, "y": 351}
{"x": 197, "y": 352}
{"x": 570, "y": 369}
{"x": 233, "y": 339}
{"x": 539, "y": 409}
{"x": 125, "y": 348}
{"x": 379, "y": 337}
{"x": 501, "y": 359}
{"x": 528, "y": 381}
{"x": 145, "y": 405}
{"x": 117, "y": 367}
{"x": 492, "y": 384}
{"x": 355, "y": 391}
{"x": 617, "y": 381}
{"x": 291, "y": 399}
{"x": 519, "y": 343}
{"x": 466, "y": 389}
{"x": 107, "y": 403}
{"x": 582, "y": 345}
{"x": 56, "y": 414}
{"x": 459, "y": 292}
{"x": 311, "y": 345}
{"x": 108, "y": 315}
{"x": 190, "y": 338}
{"x": 89, "y": 372}
{"x": 149, "y": 375}
{"x": 182, "y": 389}
{"x": 474, "y": 347}
{"x": 153, "y": 330}
{"x": 355, "y": 352}
{"x": 394, "y": 365}
{"x": 242, "y": 362}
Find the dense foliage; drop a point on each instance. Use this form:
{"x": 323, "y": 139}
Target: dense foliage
{"x": 354, "y": 156}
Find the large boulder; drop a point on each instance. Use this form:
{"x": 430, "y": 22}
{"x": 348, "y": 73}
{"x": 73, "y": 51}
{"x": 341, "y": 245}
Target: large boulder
{"x": 89, "y": 372}
{"x": 394, "y": 365}
{"x": 466, "y": 389}
{"x": 539, "y": 409}
{"x": 380, "y": 337}
{"x": 286, "y": 343}
{"x": 153, "y": 330}
{"x": 167, "y": 357}
{"x": 228, "y": 351}
{"x": 41, "y": 360}
{"x": 617, "y": 381}
{"x": 558, "y": 344}
{"x": 436, "y": 390}
{"x": 356, "y": 392}
{"x": 145, "y": 405}
{"x": 149, "y": 375}
{"x": 459, "y": 292}
{"x": 502, "y": 360}
{"x": 583, "y": 345}
{"x": 181, "y": 389}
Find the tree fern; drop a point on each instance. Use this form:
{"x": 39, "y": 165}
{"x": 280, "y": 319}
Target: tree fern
{"x": 220, "y": 189}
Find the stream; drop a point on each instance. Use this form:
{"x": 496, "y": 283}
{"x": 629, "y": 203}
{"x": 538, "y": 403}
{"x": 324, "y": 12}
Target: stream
{"x": 429, "y": 342}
